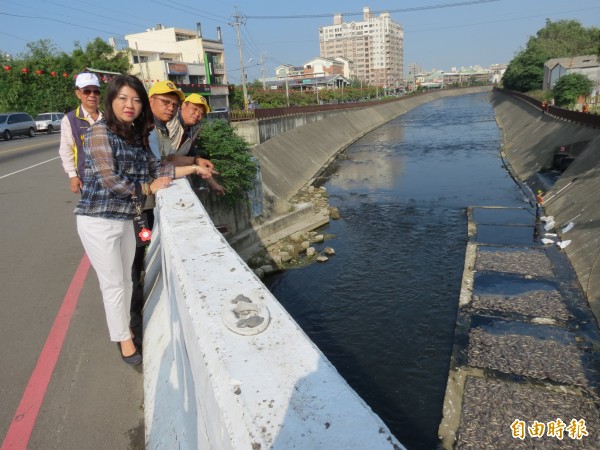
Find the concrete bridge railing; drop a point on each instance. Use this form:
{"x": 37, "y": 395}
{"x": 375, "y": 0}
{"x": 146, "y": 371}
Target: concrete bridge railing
{"x": 225, "y": 366}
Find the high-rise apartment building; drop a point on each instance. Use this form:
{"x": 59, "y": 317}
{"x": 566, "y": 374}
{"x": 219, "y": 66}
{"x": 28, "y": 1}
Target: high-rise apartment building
{"x": 375, "y": 45}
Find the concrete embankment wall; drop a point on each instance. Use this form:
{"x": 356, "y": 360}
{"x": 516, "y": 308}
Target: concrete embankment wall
{"x": 293, "y": 159}
{"x": 257, "y": 131}
{"x": 225, "y": 366}
{"x": 530, "y": 142}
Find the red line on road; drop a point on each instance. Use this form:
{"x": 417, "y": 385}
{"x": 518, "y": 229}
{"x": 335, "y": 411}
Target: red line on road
{"x": 22, "y": 425}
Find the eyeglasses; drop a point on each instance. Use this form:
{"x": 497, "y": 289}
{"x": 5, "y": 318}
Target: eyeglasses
{"x": 166, "y": 102}
{"x": 91, "y": 91}
{"x": 197, "y": 110}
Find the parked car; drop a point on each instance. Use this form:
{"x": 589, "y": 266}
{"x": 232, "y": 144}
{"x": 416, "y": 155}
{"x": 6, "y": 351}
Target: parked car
{"x": 48, "y": 122}
{"x": 218, "y": 113}
{"x": 15, "y": 124}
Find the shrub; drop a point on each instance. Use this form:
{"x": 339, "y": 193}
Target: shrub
{"x": 570, "y": 87}
{"x": 231, "y": 156}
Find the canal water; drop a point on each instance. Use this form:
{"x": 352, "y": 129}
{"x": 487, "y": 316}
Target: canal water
{"x": 383, "y": 309}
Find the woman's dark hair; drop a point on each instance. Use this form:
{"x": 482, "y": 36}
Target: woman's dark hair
{"x": 142, "y": 124}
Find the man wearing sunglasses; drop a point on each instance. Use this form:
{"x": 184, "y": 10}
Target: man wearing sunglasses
{"x": 74, "y": 124}
{"x": 184, "y": 129}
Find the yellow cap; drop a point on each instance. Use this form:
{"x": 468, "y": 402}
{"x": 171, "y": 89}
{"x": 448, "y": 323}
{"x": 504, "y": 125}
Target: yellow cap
{"x": 197, "y": 99}
{"x": 166, "y": 87}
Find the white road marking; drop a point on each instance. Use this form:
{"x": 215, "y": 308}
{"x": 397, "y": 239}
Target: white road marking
{"x": 30, "y": 167}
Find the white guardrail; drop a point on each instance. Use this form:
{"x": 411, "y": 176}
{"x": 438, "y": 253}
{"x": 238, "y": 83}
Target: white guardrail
{"x": 225, "y": 366}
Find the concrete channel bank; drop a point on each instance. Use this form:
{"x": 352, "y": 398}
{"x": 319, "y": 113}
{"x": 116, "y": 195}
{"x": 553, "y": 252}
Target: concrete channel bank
{"x": 294, "y": 159}
{"x": 524, "y": 370}
{"x": 225, "y": 366}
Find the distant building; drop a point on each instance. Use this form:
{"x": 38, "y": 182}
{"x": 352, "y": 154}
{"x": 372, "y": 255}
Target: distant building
{"x": 375, "y": 45}
{"x": 323, "y": 67}
{"x": 318, "y": 73}
{"x": 498, "y": 72}
{"x": 587, "y": 65}
{"x": 349, "y": 66}
{"x": 439, "y": 79}
{"x": 289, "y": 71}
{"x": 194, "y": 63}
{"x": 468, "y": 76}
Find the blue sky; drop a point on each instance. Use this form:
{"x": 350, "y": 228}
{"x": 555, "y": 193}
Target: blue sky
{"x": 443, "y": 36}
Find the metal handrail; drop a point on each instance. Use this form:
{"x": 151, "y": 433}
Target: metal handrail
{"x": 592, "y": 120}
{"x": 267, "y": 113}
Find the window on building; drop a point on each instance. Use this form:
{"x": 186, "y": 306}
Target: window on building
{"x": 137, "y": 60}
{"x": 183, "y": 37}
{"x": 196, "y": 79}
{"x": 176, "y": 78}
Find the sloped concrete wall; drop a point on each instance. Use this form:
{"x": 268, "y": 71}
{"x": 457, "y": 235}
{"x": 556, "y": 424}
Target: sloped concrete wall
{"x": 530, "y": 142}
{"x": 293, "y": 159}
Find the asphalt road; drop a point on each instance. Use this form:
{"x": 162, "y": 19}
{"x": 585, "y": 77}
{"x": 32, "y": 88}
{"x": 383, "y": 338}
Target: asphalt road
{"x": 86, "y": 396}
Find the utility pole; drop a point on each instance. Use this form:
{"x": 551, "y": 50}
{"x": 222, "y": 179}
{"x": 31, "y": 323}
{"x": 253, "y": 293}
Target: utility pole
{"x": 262, "y": 70}
{"x": 287, "y": 91}
{"x": 239, "y": 19}
{"x": 137, "y": 51}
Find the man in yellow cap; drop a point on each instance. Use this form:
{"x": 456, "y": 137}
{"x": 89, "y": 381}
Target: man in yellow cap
{"x": 185, "y": 127}
{"x": 165, "y": 99}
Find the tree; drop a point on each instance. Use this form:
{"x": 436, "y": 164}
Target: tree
{"x": 569, "y": 88}
{"x": 236, "y": 98}
{"x": 41, "y": 79}
{"x": 35, "y": 81}
{"x": 99, "y": 55}
{"x": 563, "y": 38}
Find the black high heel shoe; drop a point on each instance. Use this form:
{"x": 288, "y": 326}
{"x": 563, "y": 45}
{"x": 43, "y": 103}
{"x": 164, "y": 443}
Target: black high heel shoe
{"x": 133, "y": 360}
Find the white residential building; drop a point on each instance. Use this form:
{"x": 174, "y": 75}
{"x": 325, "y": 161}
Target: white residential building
{"x": 320, "y": 66}
{"x": 193, "y": 62}
{"x": 375, "y": 45}
{"x": 586, "y": 65}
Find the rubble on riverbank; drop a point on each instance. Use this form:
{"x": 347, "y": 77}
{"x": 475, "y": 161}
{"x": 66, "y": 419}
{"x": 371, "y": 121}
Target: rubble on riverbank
{"x": 300, "y": 248}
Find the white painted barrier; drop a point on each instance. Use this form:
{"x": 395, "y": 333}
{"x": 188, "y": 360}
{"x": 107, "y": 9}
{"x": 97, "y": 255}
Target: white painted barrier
{"x": 207, "y": 387}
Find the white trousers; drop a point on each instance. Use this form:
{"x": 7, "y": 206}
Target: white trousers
{"x": 110, "y": 246}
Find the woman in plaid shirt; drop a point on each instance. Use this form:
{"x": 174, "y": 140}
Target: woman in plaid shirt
{"x": 120, "y": 171}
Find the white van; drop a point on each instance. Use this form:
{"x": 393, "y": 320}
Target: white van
{"x": 48, "y": 122}
{"x": 16, "y": 124}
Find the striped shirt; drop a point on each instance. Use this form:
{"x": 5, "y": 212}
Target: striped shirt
{"x": 112, "y": 169}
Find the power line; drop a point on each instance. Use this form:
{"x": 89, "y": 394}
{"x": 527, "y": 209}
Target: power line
{"x": 111, "y": 18}
{"x": 223, "y": 20}
{"x": 546, "y": 15}
{"x": 250, "y": 41}
{"x": 187, "y": 10}
{"x": 416, "y": 8}
{"x": 59, "y": 21}
{"x": 12, "y": 35}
